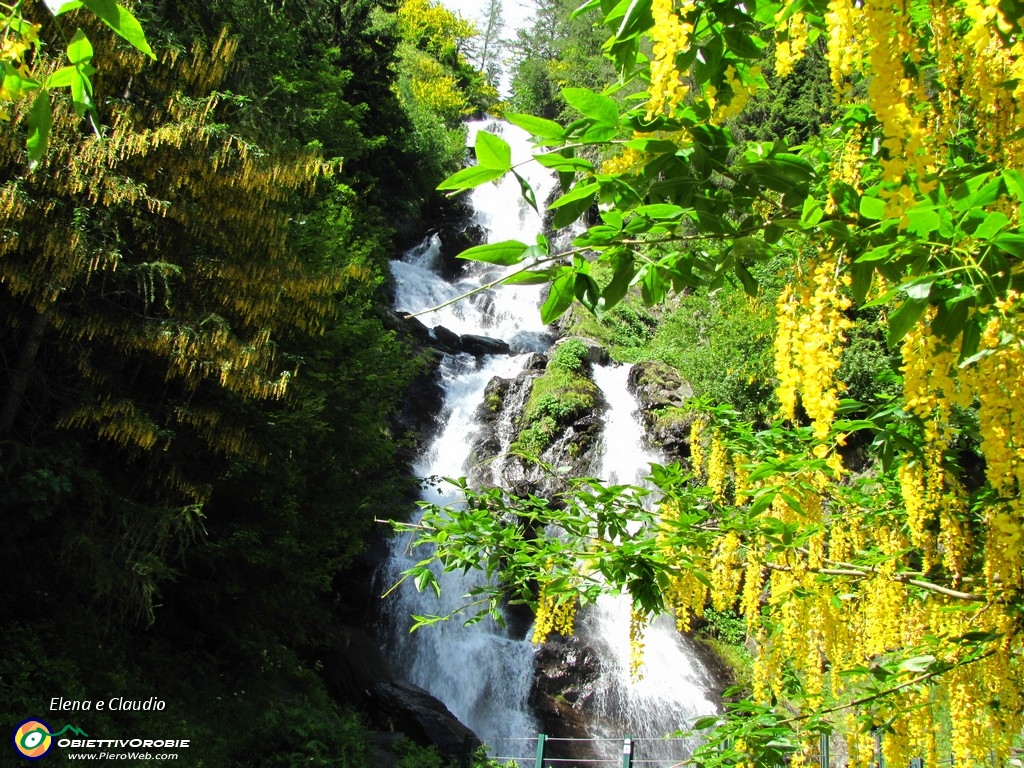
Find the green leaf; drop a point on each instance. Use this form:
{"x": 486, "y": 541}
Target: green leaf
{"x": 579, "y": 192}
{"x": 560, "y": 297}
{"x": 40, "y": 119}
{"x": 656, "y": 146}
{"x": 568, "y": 214}
{"x": 493, "y": 152}
{"x": 661, "y": 211}
{"x": 506, "y": 253}
{"x": 62, "y": 78}
{"x": 903, "y": 319}
{"x": 918, "y": 663}
{"x": 80, "y": 49}
{"x": 537, "y": 126}
{"x": 872, "y": 208}
{"x": 560, "y": 162}
{"x": 599, "y": 134}
{"x": 622, "y": 277}
{"x": 636, "y": 19}
{"x": 526, "y": 191}
{"x": 862, "y": 275}
{"x": 81, "y": 89}
{"x": 529, "y": 277}
{"x": 1010, "y": 243}
{"x": 471, "y": 177}
{"x": 750, "y": 285}
{"x": 1014, "y": 181}
{"x": 992, "y": 225}
{"x": 923, "y": 221}
{"x": 120, "y": 19}
{"x": 592, "y": 105}
{"x": 57, "y": 7}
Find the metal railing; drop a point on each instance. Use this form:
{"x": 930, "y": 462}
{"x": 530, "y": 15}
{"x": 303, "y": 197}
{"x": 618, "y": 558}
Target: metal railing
{"x": 628, "y": 752}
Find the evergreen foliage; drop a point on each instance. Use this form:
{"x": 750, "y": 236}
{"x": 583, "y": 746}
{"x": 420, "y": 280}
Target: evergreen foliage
{"x": 197, "y": 377}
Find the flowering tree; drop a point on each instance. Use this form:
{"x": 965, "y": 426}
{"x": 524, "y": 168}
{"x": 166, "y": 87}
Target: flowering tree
{"x": 887, "y": 603}
{"x": 21, "y": 77}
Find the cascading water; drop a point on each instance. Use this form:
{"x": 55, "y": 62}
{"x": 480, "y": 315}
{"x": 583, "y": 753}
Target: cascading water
{"x": 673, "y": 687}
{"x": 481, "y": 672}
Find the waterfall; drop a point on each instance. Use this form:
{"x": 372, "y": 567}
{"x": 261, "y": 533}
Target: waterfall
{"x": 673, "y": 688}
{"x": 484, "y": 673}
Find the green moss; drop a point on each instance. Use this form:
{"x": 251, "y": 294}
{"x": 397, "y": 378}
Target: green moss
{"x": 672, "y": 416}
{"x": 558, "y": 397}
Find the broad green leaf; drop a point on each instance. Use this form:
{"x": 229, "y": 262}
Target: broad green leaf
{"x": 622, "y": 277}
{"x": 919, "y": 287}
{"x": 661, "y": 211}
{"x": 923, "y": 221}
{"x": 862, "y": 276}
{"x": 636, "y": 18}
{"x": 992, "y": 224}
{"x": 79, "y": 49}
{"x": 597, "y": 236}
{"x": 560, "y": 297}
{"x": 1014, "y": 181}
{"x": 40, "y": 120}
{"x": 537, "y": 126}
{"x": 950, "y": 319}
{"x": 81, "y": 90}
{"x": 471, "y": 177}
{"x": 1010, "y": 243}
{"x": 872, "y": 208}
{"x": 57, "y": 7}
{"x": 567, "y": 214}
{"x": 918, "y": 663}
{"x": 599, "y": 134}
{"x": 657, "y": 146}
{"x": 13, "y": 83}
{"x": 587, "y": 6}
{"x": 587, "y": 291}
{"x": 529, "y": 277}
{"x": 120, "y": 19}
{"x": 881, "y": 253}
{"x": 560, "y": 162}
{"x": 812, "y": 212}
{"x": 506, "y": 253}
{"x": 592, "y": 105}
{"x": 653, "y": 286}
{"x": 750, "y": 285}
{"x": 903, "y": 319}
{"x": 579, "y": 192}
{"x": 62, "y": 78}
{"x": 493, "y": 152}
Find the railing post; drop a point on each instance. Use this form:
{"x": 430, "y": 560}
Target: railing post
{"x": 627, "y": 752}
{"x": 825, "y": 757}
{"x": 917, "y": 762}
{"x": 542, "y": 739}
{"x": 880, "y": 762}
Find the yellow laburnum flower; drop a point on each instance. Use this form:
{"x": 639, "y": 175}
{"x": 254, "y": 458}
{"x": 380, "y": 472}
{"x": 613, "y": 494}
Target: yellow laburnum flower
{"x": 671, "y": 35}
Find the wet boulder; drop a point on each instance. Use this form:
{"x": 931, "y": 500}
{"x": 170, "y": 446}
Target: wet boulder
{"x": 409, "y": 709}
{"x": 662, "y": 394}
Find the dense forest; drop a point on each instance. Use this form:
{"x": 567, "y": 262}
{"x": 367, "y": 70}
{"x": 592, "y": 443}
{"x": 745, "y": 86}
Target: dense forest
{"x": 200, "y": 375}
{"x": 808, "y": 209}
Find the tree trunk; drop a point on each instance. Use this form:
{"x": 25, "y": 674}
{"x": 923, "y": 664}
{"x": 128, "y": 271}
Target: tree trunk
{"x": 22, "y": 373}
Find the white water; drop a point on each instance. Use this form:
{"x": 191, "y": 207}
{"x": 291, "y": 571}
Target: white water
{"x": 672, "y": 690}
{"x": 480, "y": 672}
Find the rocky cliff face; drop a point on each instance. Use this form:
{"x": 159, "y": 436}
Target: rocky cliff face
{"x": 550, "y": 415}
{"x": 662, "y": 393}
